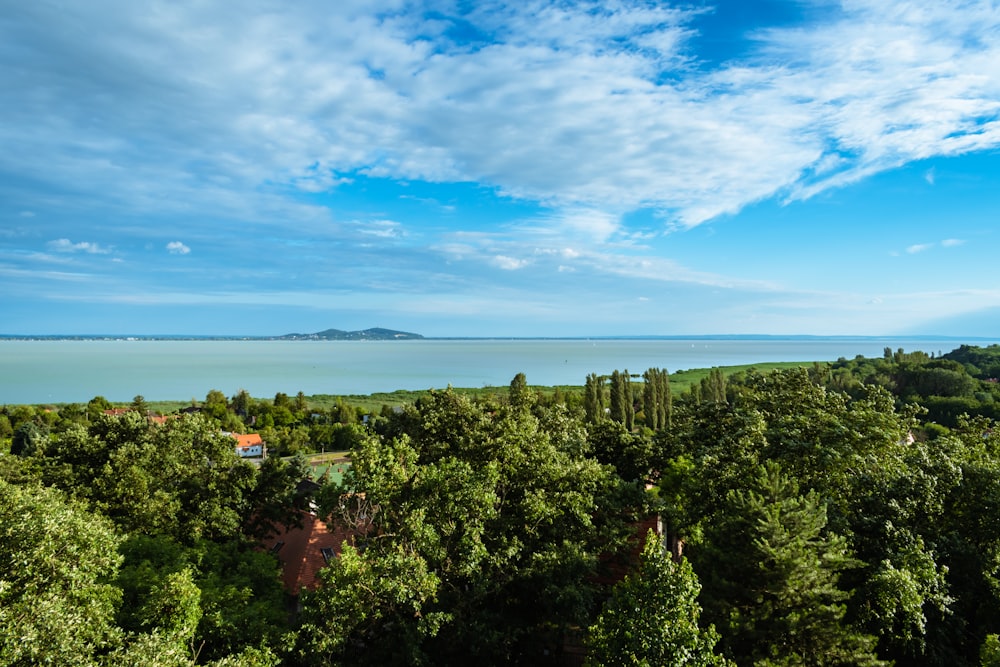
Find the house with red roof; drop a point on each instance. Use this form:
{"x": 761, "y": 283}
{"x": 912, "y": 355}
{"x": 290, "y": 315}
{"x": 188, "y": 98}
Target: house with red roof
{"x": 304, "y": 551}
{"x": 249, "y": 445}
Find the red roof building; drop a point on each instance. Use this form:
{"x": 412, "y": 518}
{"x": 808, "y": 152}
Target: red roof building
{"x": 249, "y": 445}
{"x": 304, "y": 551}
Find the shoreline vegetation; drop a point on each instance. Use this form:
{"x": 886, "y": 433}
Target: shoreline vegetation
{"x": 680, "y": 381}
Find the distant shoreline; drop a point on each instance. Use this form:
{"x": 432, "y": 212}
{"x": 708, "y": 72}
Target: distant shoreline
{"x": 413, "y": 337}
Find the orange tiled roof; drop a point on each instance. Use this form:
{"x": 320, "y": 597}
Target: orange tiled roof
{"x": 247, "y": 439}
{"x": 301, "y": 551}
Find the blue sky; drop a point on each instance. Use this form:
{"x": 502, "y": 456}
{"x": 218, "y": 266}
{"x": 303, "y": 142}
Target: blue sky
{"x": 489, "y": 168}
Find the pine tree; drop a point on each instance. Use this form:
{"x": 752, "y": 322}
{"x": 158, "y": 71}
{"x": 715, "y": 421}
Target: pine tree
{"x": 770, "y": 573}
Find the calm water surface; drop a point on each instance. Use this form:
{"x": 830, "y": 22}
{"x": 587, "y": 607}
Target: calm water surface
{"x": 76, "y": 371}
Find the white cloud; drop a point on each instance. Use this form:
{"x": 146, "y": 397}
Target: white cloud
{"x": 177, "y": 248}
{"x": 921, "y": 247}
{"x": 381, "y": 228}
{"x": 509, "y": 263}
{"x": 593, "y": 109}
{"x": 592, "y": 225}
{"x": 65, "y": 245}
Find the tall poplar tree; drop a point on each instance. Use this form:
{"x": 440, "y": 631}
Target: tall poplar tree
{"x": 656, "y": 398}
{"x": 593, "y": 398}
{"x": 622, "y": 409}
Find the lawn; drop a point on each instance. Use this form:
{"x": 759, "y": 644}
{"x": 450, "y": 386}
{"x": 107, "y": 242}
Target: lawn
{"x": 333, "y": 464}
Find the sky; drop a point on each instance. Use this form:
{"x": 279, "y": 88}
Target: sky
{"x": 491, "y": 168}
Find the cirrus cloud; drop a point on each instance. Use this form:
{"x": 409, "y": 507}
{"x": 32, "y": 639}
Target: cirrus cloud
{"x": 65, "y": 245}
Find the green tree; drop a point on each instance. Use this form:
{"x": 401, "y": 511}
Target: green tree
{"x": 989, "y": 654}
{"x": 56, "y": 560}
{"x": 651, "y": 619}
{"x": 241, "y": 403}
{"x": 96, "y": 407}
{"x": 273, "y": 503}
{"x": 342, "y": 412}
{"x": 29, "y": 439}
{"x": 215, "y": 405}
{"x": 301, "y": 406}
{"x": 622, "y": 406}
{"x": 593, "y": 398}
{"x": 173, "y": 607}
{"x": 183, "y": 478}
{"x": 630, "y": 453}
{"x": 770, "y": 572}
{"x": 520, "y": 395}
{"x": 657, "y": 402}
{"x": 713, "y": 387}
{"x": 6, "y": 428}
{"x": 508, "y": 516}
{"x": 139, "y": 405}
{"x": 344, "y": 621}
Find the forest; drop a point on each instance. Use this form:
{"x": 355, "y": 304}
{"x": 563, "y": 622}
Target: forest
{"x": 841, "y": 513}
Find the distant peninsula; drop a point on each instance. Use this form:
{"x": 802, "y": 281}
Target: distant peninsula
{"x": 376, "y": 333}
{"x": 366, "y": 334}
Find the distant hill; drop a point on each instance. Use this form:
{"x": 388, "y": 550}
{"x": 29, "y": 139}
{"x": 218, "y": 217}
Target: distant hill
{"x": 367, "y": 334}
{"x": 329, "y": 334}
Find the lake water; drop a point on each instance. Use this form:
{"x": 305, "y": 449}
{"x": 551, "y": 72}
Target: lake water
{"x": 76, "y": 371}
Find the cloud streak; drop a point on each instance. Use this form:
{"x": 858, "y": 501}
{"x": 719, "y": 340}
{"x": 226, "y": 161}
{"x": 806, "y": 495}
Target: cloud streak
{"x": 65, "y": 245}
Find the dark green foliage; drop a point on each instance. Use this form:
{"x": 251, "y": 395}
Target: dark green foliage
{"x": 630, "y": 453}
{"x": 622, "y": 405}
{"x": 657, "y": 402}
{"x": 139, "y": 405}
{"x": 520, "y": 395}
{"x": 593, "y": 398}
{"x": 770, "y": 572}
{"x": 223, "y": 596}
{"x": 652, "y": 617}
{"x": 713, "y": 387}
{"x": 980, "y": 362}
{"x": 29, "y": 439}
{"x": 494, "y": 527}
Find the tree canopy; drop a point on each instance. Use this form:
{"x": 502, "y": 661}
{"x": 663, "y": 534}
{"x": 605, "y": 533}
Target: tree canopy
{"x": 835, "y": 514}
